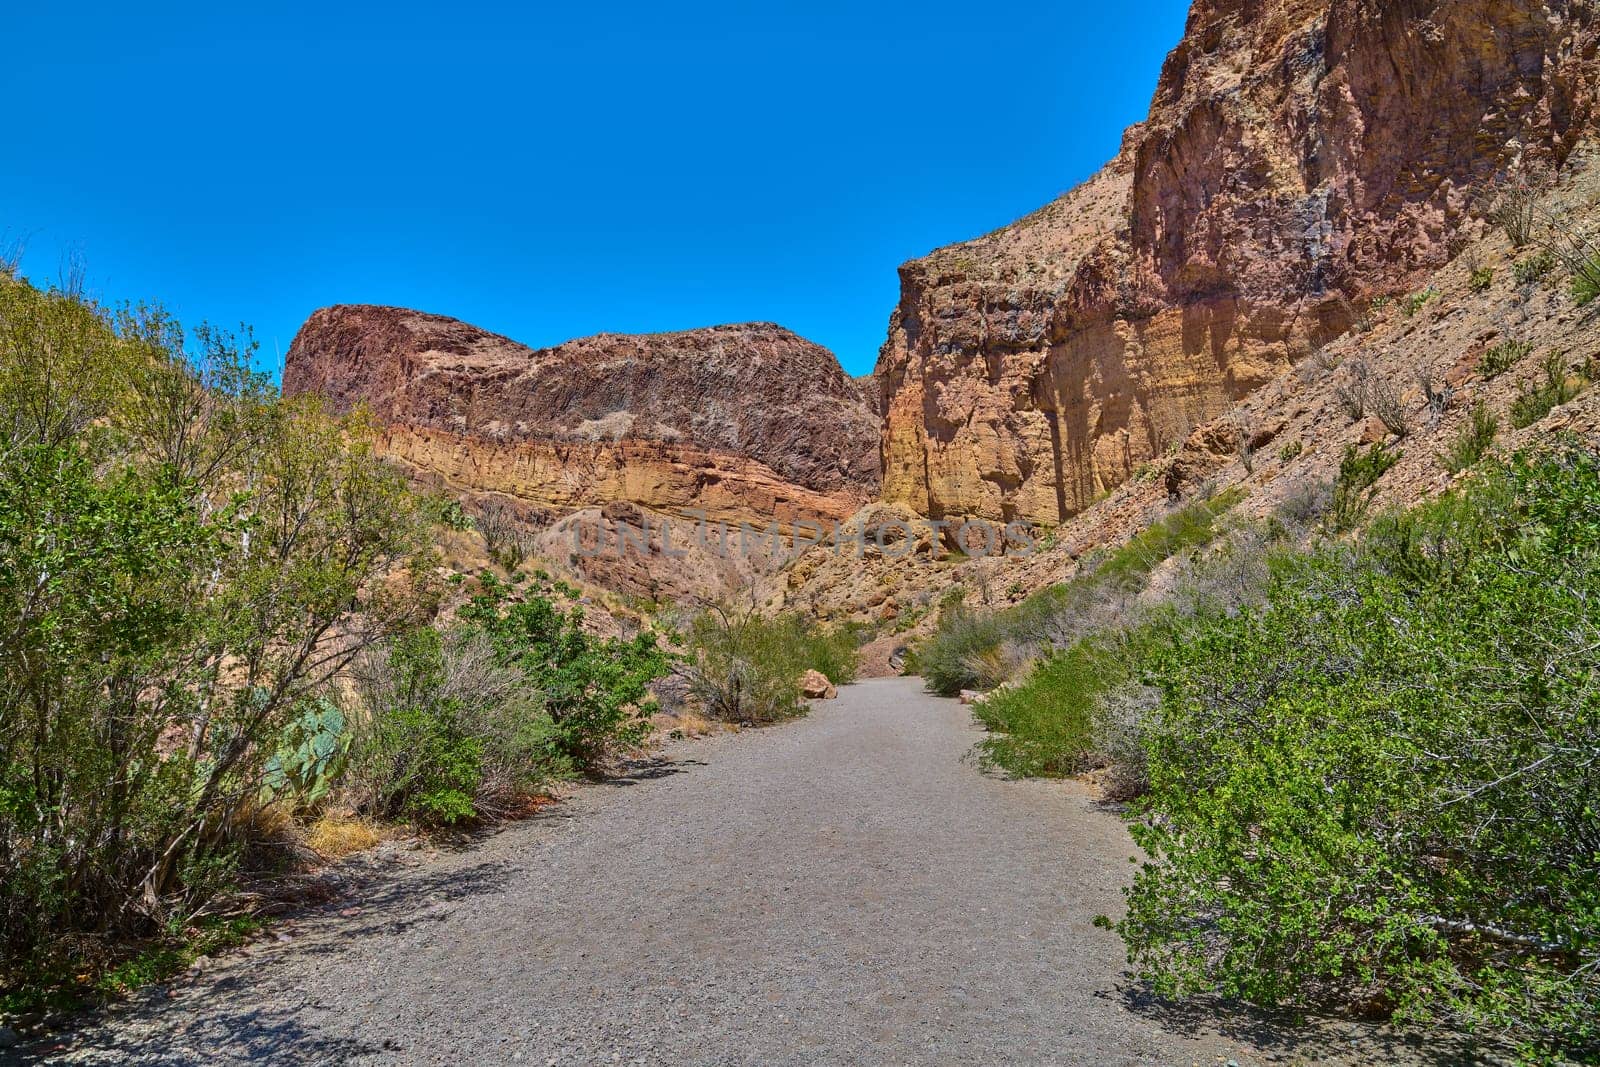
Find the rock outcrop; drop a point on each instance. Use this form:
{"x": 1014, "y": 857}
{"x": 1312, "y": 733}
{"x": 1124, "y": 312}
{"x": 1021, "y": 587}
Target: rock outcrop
{"x": 1301, "y": 157}
{"x": 746, "y": 423}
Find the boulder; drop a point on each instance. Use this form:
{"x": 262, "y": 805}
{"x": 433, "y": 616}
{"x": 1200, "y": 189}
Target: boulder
{"x": 815, "y": 686}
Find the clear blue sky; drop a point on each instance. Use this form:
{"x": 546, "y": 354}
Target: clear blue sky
{"x": 549, "y": 171}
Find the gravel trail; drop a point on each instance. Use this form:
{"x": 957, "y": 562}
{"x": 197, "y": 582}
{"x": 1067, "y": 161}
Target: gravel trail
{"x": 845, "y": 889}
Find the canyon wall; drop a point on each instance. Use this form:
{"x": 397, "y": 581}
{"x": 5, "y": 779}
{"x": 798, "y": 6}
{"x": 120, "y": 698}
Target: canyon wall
{"x": 1300, "y": 158}
{"x": 747, "y": 423}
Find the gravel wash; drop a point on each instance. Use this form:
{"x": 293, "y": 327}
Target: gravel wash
{"x": 846, "y": 889}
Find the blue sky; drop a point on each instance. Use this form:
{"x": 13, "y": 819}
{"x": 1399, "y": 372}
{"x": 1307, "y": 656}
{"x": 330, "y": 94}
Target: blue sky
{"x": 550, "y": 171}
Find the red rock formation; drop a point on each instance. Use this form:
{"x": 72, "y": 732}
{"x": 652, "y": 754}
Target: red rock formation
{"x": 744, "y": 422}
{"x": 1300, "y": 157}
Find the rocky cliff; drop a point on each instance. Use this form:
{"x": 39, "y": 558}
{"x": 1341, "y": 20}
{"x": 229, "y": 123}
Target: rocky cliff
{"x": 1301, "y": 157}
{"x": 745, "y": 422}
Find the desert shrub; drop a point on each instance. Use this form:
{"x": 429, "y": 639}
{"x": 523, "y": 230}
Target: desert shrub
{"x": 968, "y": 651}
{"x": 507, "y": 538}
{"x": 1387, "y": 404}
{"x": 1352, "y": 396}
{"x": 1515, "y": 209}
{"x": 946, "y": 660}
{"x": 1482, "y": 279}
{"x": 1586, "y": 279}
{"x": 1359, "y": 472}
{"x": 1503, "y": 356}
{"x": 1044, "y": 725}
{"x": 446, "y": 511}
{"x": 596, "y": 691}
{"x": 1529, "y": 270}
{"x": 1415, "y": 302}
{"x": 1539, "y": 397}
{"x": 1472, "y": 440}
{"x": 745, "y": 667}
{"x": 834, "y": 652}
{"x": 446, "y": 731}
{"x": 1305, "y": 504}
{"x": 185, "y": 560}
{"x": 1378, "y": 788}
{"x": 1080, "y": 706}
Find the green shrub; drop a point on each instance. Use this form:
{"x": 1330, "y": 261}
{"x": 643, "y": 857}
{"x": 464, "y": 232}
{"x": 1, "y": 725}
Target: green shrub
{"x": 835, "y": 653}
{"x": 1415, "y": 302}
{"x": 1538, "y": 398}
{"x": 1379, "y": 788}
{"x": 448, "y": 733}
{"x": 746, "y": 668}
{"x": 595, "y": 691}
{"x": 185, "y": 559}
{"x": 1482, "y": 279}
{"x": 1472, "y": 441}
{"x": 1503, "y": 356}
{"x": 1044, "y": 725}
{"x": 1358, "y": 476}
{"x": 946, "y": 660}
{"x": 1527, "y": 271}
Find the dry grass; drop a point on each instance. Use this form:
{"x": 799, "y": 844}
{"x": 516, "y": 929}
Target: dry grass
{"x": 335, "y": 836}
{"x": 686, "y": 723}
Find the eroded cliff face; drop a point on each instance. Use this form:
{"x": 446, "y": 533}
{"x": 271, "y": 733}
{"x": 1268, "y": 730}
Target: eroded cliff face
{"x": 1300, "y": 158}
{"x": 746, "y": 423}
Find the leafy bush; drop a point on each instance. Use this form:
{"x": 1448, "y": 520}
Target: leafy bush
{"x": 1379, "y": 788}
{"x": 447, "y": 732}
{"x": 1538, "y": 398}
{"x": 1482, "y": 279}
{"x": 1352, "y": 490}
{"x": 835, "y": 653}
{"x": 185, "y": 559}
{"x": 946, "y": 660}
{"x": 1045, "y": 725}
{"x": 1503, "y": 356}
{"x": 1472, "y": 441}
{"x": 746, "y": 668}
{"x": 596, "y": 691}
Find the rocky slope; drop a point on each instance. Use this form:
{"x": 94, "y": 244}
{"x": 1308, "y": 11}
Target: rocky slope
{"x": 1281, "y": 445}
{"x": 1300, "y": 158}
{"x": 747, "y": 423}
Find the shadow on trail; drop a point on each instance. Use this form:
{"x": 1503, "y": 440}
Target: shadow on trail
{"x": 652, "y": 769}
{"x": 222, "y": 1010}
{"x": 1290, "y": 1033}
{"x": 226, "y": 1028}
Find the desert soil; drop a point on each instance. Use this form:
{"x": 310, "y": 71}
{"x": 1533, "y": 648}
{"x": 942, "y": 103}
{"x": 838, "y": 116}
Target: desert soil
{"x": 846, "y": 889}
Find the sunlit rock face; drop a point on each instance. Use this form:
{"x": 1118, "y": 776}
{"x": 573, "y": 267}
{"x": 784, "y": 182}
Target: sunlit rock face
{"x": 746, "y": 423}
{"x": 1300, "y": 158}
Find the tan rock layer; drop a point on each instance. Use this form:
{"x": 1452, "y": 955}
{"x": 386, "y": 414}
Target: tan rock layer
{"x": 664, "y": 477}
{"x": 1300, "y": 157}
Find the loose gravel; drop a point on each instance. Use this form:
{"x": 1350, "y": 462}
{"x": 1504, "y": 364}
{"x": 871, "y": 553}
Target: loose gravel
{"x": 845, "y": 889}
